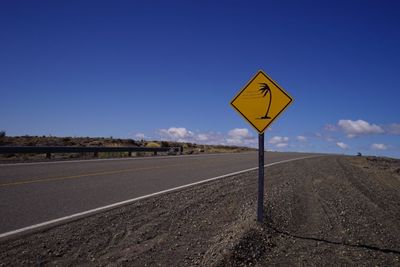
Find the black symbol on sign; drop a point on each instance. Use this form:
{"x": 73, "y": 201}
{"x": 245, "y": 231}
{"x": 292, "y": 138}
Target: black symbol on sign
{"x": 264, "y": 88}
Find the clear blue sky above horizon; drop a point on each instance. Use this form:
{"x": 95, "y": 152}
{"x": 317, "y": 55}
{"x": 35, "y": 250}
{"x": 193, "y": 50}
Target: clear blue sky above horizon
{"x": 168, "y": 70}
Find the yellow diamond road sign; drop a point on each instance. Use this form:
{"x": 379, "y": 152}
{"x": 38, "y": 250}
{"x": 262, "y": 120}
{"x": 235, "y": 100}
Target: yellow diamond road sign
{"x": 261, "y": 101}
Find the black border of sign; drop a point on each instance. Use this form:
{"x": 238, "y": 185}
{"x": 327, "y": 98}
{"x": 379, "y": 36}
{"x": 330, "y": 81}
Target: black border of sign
{"x": 272, "y": 81}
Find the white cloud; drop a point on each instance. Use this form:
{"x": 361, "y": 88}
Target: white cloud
{"x": 209, "y": 138}
{"x": 240, "y": 137}
{"x": 239, "y": 133}
{"x": 301, "y": 138}
{"x": 140, "y": 136}
{"x": 342, "y": 145}
{"x": 177, "y": 134}
{"x": 202, "y": 137}
{"x": 235, "y": 137}
{"x": 281, "y": 145}
{"x": 358, "y": 127}
{"x": 330, "y": 127}
{"x": 325, "y": 136}
{"x": 279, "y": 141}
{"x": 378, "y": 146}
{"x": 393, "y": 128}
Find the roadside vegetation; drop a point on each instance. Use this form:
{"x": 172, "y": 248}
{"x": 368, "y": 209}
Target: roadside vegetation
{"x": 27, "y": 140}
{"x": 2, "y": 137}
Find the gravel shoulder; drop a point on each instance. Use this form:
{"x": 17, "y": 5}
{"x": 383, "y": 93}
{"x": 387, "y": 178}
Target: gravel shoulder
{"x": 325, "y": 211}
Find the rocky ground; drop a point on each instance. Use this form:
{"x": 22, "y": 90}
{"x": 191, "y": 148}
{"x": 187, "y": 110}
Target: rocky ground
{"x": 324, "y": 211}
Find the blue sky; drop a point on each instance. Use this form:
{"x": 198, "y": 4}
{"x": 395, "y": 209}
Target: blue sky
{"x": 168, "y": 70}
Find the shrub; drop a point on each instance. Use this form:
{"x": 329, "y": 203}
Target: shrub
{"x": 152, "y": 144}
{"x": 66, "y": 141}
{"x": 2, "y": 137}
{"x": 164, "y": 144}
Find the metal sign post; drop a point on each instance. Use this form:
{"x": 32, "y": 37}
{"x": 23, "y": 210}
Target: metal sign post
{"x": 260, "y": 200}
{"x": 254, "y": 103}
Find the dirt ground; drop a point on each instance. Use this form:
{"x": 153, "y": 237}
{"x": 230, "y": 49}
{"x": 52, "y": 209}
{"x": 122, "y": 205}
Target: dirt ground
{"x": 324, "y": 211}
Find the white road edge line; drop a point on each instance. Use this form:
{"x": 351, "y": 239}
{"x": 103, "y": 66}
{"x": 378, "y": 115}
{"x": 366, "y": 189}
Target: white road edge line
{"x": 129, "y": 201}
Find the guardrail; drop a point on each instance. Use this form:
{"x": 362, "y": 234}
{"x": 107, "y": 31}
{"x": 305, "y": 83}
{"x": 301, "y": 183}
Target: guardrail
{"x": 48, "y": 150}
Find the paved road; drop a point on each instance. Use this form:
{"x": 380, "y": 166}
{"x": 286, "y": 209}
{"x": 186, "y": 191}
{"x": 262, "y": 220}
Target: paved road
{"x": 34, "y": 193}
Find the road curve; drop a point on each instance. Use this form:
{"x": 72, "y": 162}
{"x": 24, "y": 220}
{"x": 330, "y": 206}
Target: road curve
{"x": 34, "y": 193}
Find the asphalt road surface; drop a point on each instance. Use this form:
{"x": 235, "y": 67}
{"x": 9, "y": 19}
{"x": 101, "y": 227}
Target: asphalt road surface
{"x": 38, "y": 192}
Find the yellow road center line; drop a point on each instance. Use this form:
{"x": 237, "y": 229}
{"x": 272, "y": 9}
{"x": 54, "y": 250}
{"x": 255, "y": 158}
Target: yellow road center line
{"x": 85, "y": 175}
